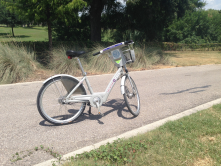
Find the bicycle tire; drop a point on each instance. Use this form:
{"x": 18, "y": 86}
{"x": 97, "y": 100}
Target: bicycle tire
{"x": 131, "y": 97}
{"x": 49, "y": 101}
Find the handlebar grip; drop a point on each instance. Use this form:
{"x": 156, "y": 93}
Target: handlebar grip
{"x": 128, "y": 42}
{"x": 96, "y": 53}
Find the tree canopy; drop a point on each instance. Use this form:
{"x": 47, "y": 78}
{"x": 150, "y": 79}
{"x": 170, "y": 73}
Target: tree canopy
{"x": 143, "y": 20}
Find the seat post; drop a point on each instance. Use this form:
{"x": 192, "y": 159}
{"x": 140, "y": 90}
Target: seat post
{"x": 79, "y": 62}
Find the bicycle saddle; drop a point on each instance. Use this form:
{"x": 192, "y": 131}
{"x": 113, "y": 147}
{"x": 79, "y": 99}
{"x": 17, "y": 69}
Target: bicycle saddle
{"x": 72, "y": 53}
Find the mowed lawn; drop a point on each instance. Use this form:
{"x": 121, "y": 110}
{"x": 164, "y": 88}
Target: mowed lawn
{"x": 24, "y": 34}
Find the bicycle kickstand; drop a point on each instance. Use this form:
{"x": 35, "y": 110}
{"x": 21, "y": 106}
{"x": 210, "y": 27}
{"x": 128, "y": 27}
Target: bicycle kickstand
{"x": 89, "y": 111}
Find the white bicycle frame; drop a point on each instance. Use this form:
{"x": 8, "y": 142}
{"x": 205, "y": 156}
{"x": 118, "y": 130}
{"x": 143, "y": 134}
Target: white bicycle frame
{"x": 102, "y": 95}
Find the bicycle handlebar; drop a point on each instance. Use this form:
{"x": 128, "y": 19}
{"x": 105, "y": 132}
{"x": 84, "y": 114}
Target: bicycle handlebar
{"x": 128, "y": 42}
{"x": 113, "y": 47}
{"x": 96, "y": 53}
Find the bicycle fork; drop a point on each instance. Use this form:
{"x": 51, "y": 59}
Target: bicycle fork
{"x": 132, "y": 85}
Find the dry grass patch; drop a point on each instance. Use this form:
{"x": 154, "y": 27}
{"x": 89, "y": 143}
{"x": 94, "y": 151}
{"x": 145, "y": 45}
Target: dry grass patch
{"x": 207, "y": 161}
{"x": 194, "y": 58}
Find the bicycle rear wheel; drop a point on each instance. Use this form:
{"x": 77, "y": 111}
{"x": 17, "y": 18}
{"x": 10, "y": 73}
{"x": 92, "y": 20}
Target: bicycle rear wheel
{"x": 49, "y": 100}
{"x": 131, "y": 96}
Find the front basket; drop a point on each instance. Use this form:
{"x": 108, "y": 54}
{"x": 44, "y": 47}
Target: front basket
{"x": 129, "y": 55}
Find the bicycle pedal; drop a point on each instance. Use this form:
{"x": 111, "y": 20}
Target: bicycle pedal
{"x": 99, "y": 113}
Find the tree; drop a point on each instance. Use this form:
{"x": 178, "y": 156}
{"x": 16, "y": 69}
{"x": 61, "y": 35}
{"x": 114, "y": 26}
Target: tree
{"x": 8, "y": 15}
{"x": 150, "y": 18}
{"x": 97, "y": 15}
{"x": 95, "y": 9}
{"x": 48, "y": 11}
{"x": 196, "y": 27}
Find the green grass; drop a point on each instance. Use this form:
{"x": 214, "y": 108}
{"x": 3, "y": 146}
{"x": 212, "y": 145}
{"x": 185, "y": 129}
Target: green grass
{"x": 194, "y": 140}
{"x": 24, "y": 34}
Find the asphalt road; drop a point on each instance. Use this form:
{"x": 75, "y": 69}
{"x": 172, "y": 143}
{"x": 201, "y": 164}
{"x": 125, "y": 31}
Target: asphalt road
{"x": 163, "y": 93}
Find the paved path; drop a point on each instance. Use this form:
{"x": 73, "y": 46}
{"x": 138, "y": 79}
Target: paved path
{"x": 163, "y": 93}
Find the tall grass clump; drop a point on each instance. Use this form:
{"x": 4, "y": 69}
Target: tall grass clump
{"x": 145, "y": 58}
{"x": 16, "y": 63}
{"x": 60, "y": 63}
{"x": 92, "y": 64}
{"x": 148, "y": 56}
{"x": 100, "y": 63}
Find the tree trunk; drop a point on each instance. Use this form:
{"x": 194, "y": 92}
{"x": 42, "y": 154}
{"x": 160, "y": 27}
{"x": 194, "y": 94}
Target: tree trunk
{"x": 49, "y": 29}
{"x": 13, "y": 31}
{"x": 49, "y": 35}
{"x": 95, "y": 19}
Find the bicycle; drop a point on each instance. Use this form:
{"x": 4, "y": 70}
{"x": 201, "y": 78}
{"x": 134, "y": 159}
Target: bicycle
{"x": 68, "y": 96}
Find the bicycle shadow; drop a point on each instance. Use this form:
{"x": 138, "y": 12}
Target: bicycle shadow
{"x": 114, "y": 105}
{"x": 190, "y": 90}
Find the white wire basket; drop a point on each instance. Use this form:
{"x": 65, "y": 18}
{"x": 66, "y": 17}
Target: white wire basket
{"x": 129, "y": 54}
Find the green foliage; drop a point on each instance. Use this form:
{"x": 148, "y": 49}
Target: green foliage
{"x": 196, "y": 27}
{"x": 80, "y": 29}
{"x": 169, "y": 46}
{"x": 141, "y": 20}
{"x": 48, "y": 10}
{"x": 77, "y": 30}
{"x": 151, "y": 17}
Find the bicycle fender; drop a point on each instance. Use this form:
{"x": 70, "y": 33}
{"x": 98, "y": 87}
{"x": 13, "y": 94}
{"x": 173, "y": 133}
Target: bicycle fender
{"x": 58, "y": 75}
{"x": 122, "y": 85}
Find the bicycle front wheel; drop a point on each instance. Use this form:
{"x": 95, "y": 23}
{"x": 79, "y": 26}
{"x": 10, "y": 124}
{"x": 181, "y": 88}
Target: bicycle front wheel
{"x": 131, "y": 96}
{"x": 50, "y": 100}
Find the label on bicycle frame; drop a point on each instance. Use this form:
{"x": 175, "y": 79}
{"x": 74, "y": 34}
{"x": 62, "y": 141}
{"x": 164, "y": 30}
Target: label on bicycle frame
{"x": 113, "y": 82}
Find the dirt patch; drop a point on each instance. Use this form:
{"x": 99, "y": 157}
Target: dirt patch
{"x": 204, "y": 162}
